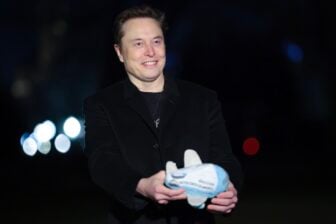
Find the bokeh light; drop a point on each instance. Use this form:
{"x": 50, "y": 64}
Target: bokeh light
{"x": 29, "y": 146}
{"x": 251, "y": 146}
{"x": 45, "y": 131}
{"x": 62, "y": 143}
{"x": 24, "y": 136}
{"x": 44, "y": 147}
{"x": 72, "y": 127}
{"x": 294, "y": 52}
{"x": 40, "y": 139}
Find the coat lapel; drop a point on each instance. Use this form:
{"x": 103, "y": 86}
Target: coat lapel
{"x": 135, "y": 101}
{"x": 170, "y": 100}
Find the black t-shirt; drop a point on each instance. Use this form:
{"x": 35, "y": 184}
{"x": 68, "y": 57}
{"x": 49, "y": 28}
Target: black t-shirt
{"x": 153, "y": 102}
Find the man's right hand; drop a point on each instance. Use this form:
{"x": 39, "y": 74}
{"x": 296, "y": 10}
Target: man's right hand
{"x": 153, "y": 187}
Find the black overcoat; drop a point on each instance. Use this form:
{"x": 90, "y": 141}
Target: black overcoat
{"x": 123, "y": 146}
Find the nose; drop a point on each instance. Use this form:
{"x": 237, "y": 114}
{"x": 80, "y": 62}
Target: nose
{"x": 150, "y": 50}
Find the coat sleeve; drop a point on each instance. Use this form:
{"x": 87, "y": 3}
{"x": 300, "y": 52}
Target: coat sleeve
{"x": 107, "y": 167}
{"x": 220, "y": 147}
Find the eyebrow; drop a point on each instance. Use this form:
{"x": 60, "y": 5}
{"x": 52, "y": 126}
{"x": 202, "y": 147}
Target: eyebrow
{"x": 137, "y": 39}
{"x": 158, "y": 37}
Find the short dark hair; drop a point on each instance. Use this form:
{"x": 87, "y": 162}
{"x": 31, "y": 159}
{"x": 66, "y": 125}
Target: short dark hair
{"x": 143, "y": 11}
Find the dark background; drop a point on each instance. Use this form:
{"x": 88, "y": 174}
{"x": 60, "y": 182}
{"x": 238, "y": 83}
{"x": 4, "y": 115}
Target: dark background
{"x": 271, "y": 62}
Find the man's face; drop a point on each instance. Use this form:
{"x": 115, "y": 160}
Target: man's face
{"x": 142, "y": 49}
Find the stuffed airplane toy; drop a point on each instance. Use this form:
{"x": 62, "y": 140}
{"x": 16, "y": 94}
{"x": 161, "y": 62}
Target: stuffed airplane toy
{"x": 200, "y": 180}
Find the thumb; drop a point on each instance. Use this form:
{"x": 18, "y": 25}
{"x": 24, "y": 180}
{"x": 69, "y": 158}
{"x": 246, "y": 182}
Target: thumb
{"x": 161, "y": 175}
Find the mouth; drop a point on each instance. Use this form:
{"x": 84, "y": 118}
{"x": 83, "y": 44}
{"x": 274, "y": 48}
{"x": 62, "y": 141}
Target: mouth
{"x": 150, "y": 63}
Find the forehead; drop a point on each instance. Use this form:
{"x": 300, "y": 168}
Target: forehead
{"x": 141, "y": 28}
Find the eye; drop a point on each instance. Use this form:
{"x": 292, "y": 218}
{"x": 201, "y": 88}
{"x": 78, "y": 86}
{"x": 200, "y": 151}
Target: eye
{"x": 158, "y": 41}
{"x": 138, "y": 44}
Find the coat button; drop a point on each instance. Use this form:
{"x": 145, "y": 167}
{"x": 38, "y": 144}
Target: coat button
{"x": 156, "y": 146}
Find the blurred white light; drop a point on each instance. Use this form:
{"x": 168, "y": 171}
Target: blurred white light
{"x": 44, "y": 147}
{"x": 45, "y": 131}
{"x": 72, "y": 127}
{"x": 62, "y": 143}
{"x": 29, "y": 146}
{"x": 24, "y": 137}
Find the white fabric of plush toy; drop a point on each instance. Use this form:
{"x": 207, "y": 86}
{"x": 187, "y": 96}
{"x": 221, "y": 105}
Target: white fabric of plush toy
{"x": 200, "y": 180}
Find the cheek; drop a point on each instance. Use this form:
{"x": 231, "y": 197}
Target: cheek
{"x": 163, "y": 53}
{"x": 135, "y": 55}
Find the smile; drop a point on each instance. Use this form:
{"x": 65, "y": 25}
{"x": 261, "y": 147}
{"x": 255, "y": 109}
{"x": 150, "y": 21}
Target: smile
{"x": 149, "y": 63}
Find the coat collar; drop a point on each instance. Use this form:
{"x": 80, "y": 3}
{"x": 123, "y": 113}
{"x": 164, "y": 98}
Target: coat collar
{"x": 170, "y": 89}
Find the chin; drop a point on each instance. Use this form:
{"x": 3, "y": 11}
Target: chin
{"x": 152, "y": 76}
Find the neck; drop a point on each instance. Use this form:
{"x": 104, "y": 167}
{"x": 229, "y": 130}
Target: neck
{"x": 154, "y": 86}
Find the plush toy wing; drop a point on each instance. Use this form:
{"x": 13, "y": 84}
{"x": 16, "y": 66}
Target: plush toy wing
{"x": 200, "y": 181}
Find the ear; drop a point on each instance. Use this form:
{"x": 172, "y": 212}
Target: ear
{"x": 118, "y": 51}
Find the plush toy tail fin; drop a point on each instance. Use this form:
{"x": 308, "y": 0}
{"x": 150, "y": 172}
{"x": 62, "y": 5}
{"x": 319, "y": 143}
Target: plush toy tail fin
{"x": 191, "y": 158}
{"x": 170, "y": 167}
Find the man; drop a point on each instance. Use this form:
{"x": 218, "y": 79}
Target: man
{"x": 136, "y": 125}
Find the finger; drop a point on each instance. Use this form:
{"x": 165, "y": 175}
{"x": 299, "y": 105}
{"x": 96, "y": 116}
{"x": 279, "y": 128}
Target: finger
{"x": 169, "y": 192}
{"x": 222, "y": 202}
{"x": 232, "y": 188}
{"x": 178, "y": 194}
{"x": 179, "y": 197}
{"x": 166, "y": 195}
{"x": 220, "y": 209}
{"x": 163, "y": 202}
{"x": 161, "y": 196}
{"x": 161, "y": 174}
{"x": 224, "y": 197}
{"x": 226, "y": 194}
{"x": 158, "y": 197}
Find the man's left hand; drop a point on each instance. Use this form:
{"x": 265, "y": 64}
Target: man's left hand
{"x": 224, "y": 202}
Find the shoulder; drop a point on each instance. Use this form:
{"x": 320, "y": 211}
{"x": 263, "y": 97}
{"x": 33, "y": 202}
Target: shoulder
{"x": 192, "y": 89}
{"x": 111, "y": 93}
